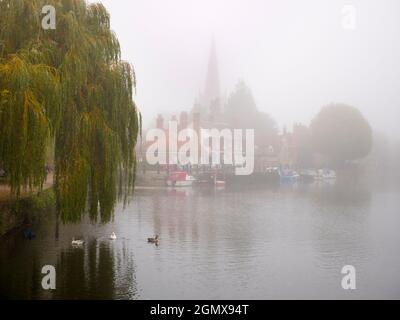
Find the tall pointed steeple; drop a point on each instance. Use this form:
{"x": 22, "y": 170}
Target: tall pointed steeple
{"x": 211, "y": 95}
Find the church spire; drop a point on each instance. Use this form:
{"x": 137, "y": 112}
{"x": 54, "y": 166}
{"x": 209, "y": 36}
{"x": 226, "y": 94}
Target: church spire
{"x": 212, "y": 86}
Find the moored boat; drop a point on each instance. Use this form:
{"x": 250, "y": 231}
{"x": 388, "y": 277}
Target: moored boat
{"x": 180, "y": 179}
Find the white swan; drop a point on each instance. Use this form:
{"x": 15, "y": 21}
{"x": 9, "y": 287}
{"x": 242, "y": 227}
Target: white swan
{"x": 113, "y": 236}
{"x": 77, "y": 242}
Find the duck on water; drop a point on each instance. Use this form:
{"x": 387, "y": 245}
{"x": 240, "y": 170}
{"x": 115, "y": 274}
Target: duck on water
{"x": 153, "y": 240}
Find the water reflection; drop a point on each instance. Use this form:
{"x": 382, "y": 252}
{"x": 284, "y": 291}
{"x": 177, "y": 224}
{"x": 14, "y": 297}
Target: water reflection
{"x": 341, "y": 226}
{"x": 92, "y": 272}
{"x": 286, "y": 241}
{"x": 101, "y": 269}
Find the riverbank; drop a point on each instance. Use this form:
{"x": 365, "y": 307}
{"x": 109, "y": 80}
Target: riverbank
{"x": 16, "y": 214}
{"x": 32, "y": 205}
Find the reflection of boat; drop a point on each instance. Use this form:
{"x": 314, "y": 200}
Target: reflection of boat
{"x": 325, "y": 182}
{"x": 180, "y": 192}
{"x": 219, "y": 183}
{"x": 288, "y": 176}
{"x": 180, "y": 179}
{"x": 326, "y": 174}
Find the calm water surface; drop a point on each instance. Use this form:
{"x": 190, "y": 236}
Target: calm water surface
{"x": 287, "y": 242}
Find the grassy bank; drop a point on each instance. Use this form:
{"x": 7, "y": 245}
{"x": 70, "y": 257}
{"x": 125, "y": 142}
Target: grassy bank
{"x": 14, "y": 214}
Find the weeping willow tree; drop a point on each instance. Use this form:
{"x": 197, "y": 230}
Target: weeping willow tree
{"x": 70, "y": 86}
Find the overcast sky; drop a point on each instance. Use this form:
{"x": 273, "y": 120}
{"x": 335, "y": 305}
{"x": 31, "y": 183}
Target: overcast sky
{"x": 295, "y": 55}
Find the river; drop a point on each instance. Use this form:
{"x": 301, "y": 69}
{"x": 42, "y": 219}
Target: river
{"x": 286, "y": 242}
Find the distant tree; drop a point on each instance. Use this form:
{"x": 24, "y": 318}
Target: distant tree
{"x": 340, "y": 132}
{"x": 241, "y": 107}
{"x": 302, "y": 140}
{"x": 241, "y": 112}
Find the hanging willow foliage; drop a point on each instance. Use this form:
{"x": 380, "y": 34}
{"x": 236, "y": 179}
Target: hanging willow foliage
{"x": 70, "y": 86}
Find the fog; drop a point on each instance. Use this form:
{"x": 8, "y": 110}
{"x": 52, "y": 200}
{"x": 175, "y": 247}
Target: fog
{"x": 296, "y": 56}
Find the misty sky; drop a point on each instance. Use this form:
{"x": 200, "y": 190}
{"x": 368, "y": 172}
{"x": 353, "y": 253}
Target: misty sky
{"x": 294, "y": 55}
